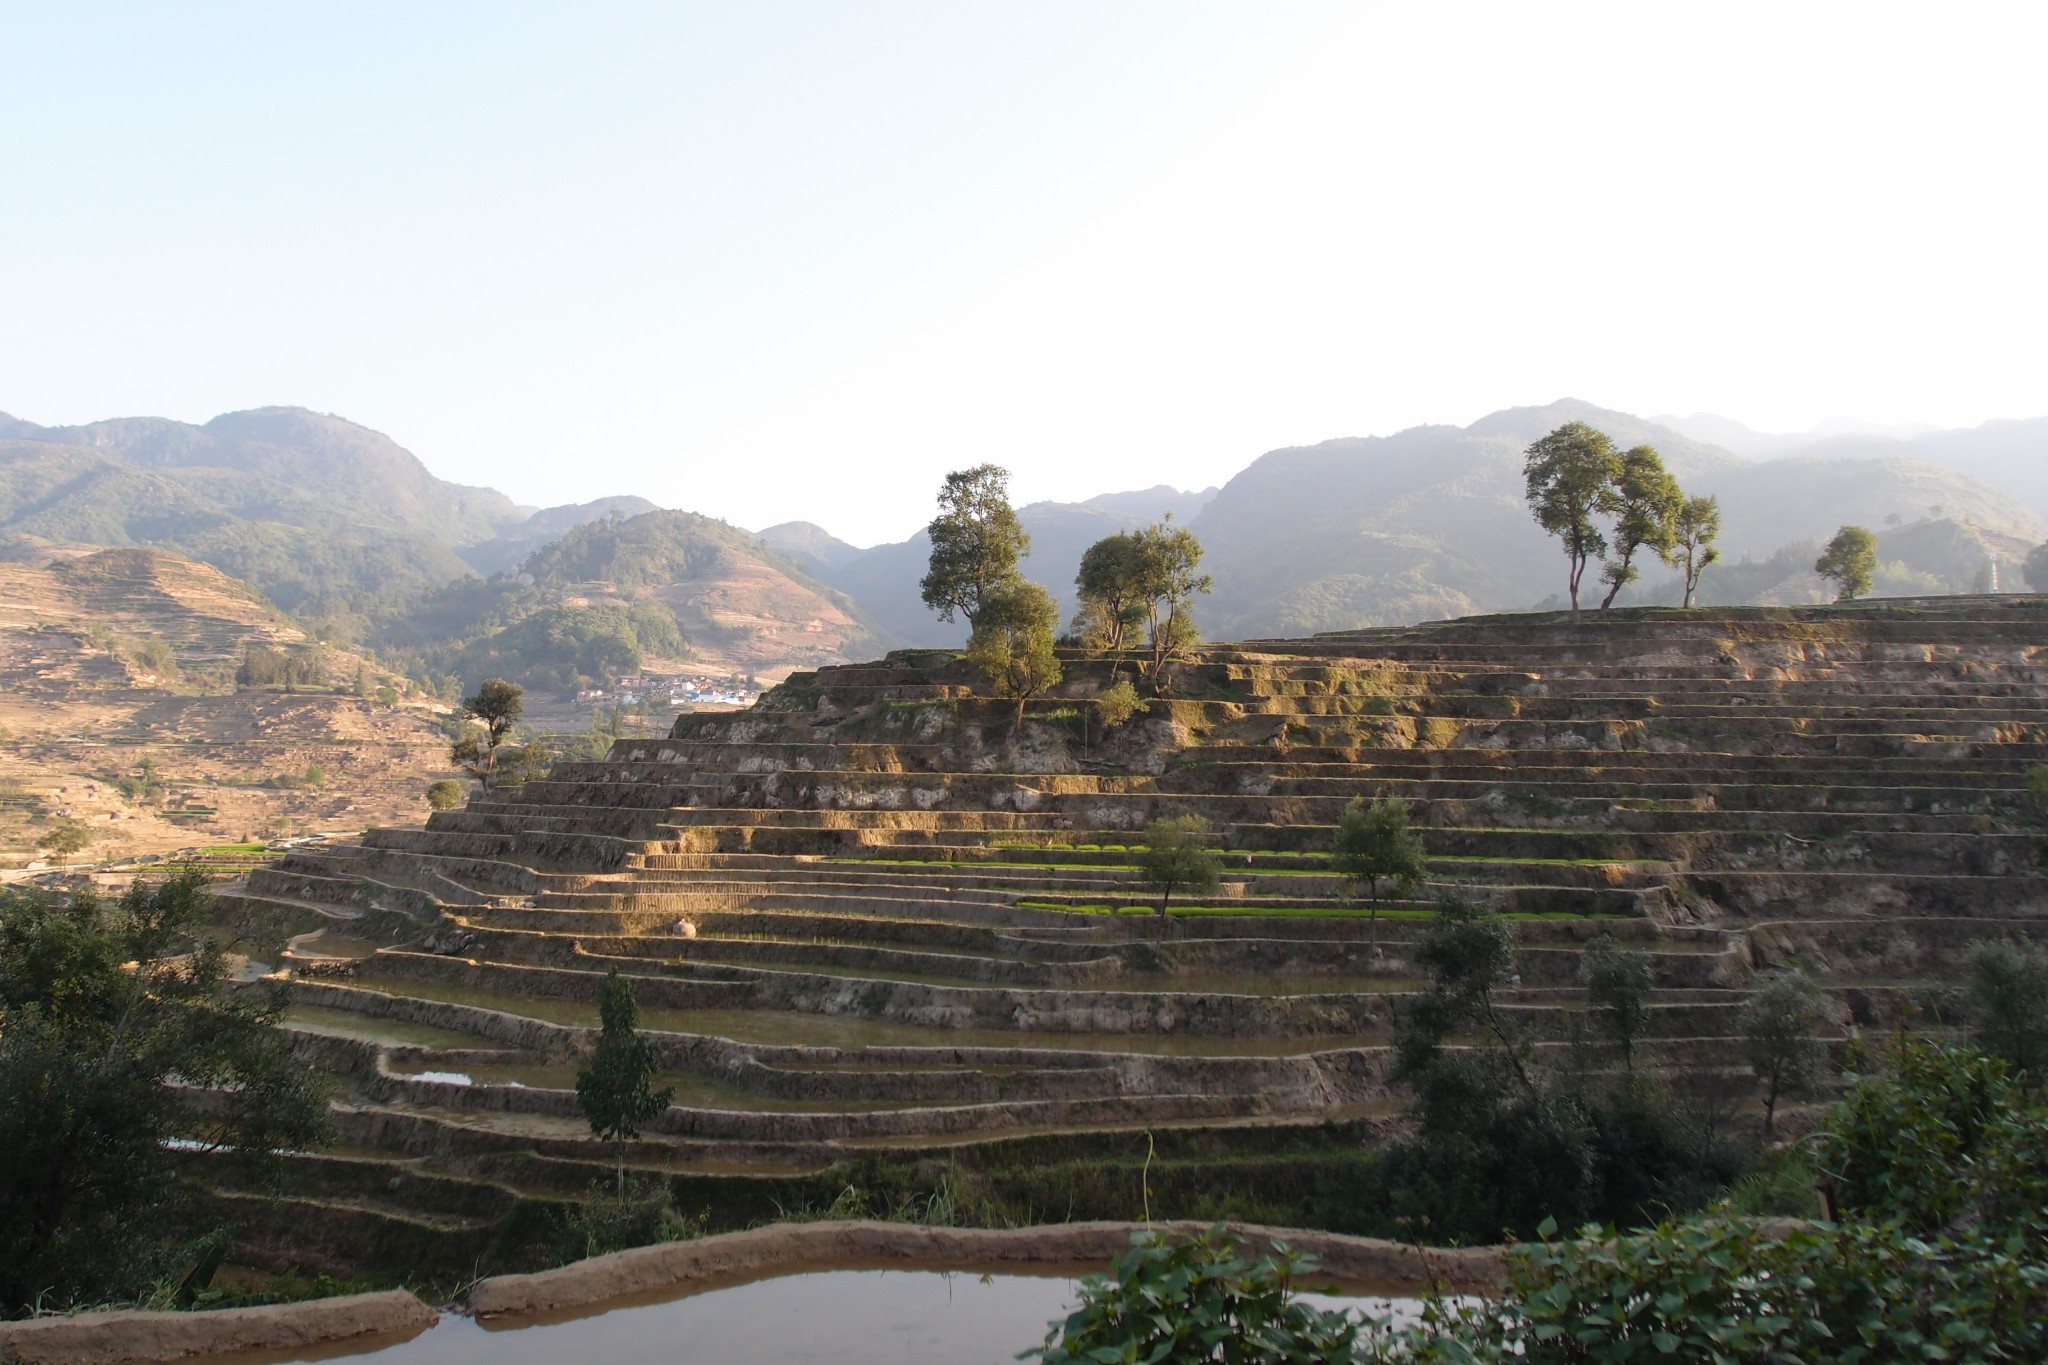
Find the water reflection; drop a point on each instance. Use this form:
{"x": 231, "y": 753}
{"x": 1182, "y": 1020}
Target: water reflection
{"x": 838, "y": 1317}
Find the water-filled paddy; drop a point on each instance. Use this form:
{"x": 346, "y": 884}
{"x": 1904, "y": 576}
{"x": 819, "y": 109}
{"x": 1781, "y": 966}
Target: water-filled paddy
{"x": 834, "y": 1317}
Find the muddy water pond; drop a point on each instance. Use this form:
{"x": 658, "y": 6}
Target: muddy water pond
{"x": 830, "y": 1317}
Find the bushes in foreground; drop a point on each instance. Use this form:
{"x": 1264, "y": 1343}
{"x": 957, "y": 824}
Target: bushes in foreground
{"x": 1938, "y": 1164}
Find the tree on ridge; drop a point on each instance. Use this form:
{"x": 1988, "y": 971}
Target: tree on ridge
{"x": 1569, "y": 478}
{"x": 1646, "y": 502}
{"x": 976, "y": 543}
{"x": 1692, "y": 549}
{"x": 1850, "y": 562}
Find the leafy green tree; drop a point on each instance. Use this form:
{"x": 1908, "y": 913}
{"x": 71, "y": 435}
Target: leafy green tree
{"x": 1170, "y": 556}
{"x": 1012, "y": 643}
{"x": 1117, "y": 703}
{"x": 1781, "y": 1024}
{"x": 1374, "y": 844}
{"x": 1569, "y": 479}
{"x": 1692, "y": 549}
{"x": 1113, "y": 584}
{"x": 518, "y": 763}
{"x": 1618, "y": 985}
{"x": 616, "y": 1091}
{"x": 497, "y": 706}
{"x": 2008, "y": 1005}
{"x": 1469, "y": 954}
{"x": 1849, "y": 561}
{"x": 1176, "y": 857}
{"x": 108, "y": 1016}
{"x": 445, "y": 794}
{"x": 67, "y": 840}
{"x": 976, "y": 543}
{"x": 2035, "y": 569}
{"x": 1646, "y": 502}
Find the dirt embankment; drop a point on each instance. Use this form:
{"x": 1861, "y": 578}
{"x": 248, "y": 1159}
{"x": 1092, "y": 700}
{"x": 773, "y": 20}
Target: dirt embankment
{"x": 112, "y": 1338}
{"x": 790, "y": 1248}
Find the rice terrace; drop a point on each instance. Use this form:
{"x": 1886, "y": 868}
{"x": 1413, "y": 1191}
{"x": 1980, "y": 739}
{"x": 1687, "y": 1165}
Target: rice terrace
{"x": 1009, "y": 713}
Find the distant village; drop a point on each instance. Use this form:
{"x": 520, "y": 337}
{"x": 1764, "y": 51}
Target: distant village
{"x": 672, "y": 691}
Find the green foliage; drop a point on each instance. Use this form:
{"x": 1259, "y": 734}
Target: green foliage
{"x": 1692, "y": 549}
{"x": 1112, "y": 589}
{"x": 1012, "y": 643}
{"x": 1618, "y": 985}
{"x": 517, "y": 763}
{"x": 445, "y": 794}
{"x": 1169, "y": 556}
{"x": 1941, "y": 1140}
{"x": 976, "y": 543}
{"x": 1374, "y": 844}
{"x": 1176, "y": 857}
{"x": 290, "y": 670}
{"x": 1175, "y": 1301}
{"x": 99, "y": 1012}
{"x": 1780, "y": 1025}
{"x": 1568, "y": 477}
{"x": 146, "y": 787}
{"x": 1646, "y": 503}
{"x": 636, "y": 552}
{"x": 2008, "y": 1004}
{"x": 1849, "y": 561}
{"x": 1736, "y": 1291}
{"x": 616, "y": 1091}
{"x": 566, "y": 647}
{"x": 1117, "y": 703}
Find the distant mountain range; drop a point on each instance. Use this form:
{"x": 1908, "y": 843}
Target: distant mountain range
{"x": 353, "y": 535}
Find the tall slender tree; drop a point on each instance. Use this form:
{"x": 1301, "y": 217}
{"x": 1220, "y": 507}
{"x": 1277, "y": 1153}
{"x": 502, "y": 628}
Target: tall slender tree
{"x": 976, "y": 543}
{"x": 497, "y": 706}
{"x": 1692, "y": 547}
{"x": 1569, "y": 480}
{"x": 617, "y": 1091}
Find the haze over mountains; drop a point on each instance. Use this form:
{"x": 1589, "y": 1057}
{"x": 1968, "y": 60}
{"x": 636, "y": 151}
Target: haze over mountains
{"x": 353, "y": 535}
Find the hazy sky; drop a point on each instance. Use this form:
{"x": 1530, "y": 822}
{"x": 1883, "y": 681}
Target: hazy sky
{"x": 778, "y": 260}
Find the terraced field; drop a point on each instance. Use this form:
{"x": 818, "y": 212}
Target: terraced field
{"x": 874, "y": 920}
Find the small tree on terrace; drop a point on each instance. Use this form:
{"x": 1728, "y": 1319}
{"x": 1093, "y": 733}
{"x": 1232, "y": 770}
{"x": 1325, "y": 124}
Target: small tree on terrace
{"x": 1013, "y": 642}
{"x": 1618, "y": 985}
{"x": 497, "y": 706}
{"x": 1849, "y": 561}
{"x": 1170, "y": 556}
{"x": 1374, "y": 844}
{"x": 67, "y": 840}
{"x": 1646, "y": 502}
{"x": 617, "y": 1091}
{"x": 1569, "y": 478}
{"x": 1780, "y": 1027}
{"x": 976, "y": 543}
{"x": 1112, "y": 587}
{"x": 1177, "y": 857}
{"x": 445, "y": 794}
{"x": 1692, "y": 548}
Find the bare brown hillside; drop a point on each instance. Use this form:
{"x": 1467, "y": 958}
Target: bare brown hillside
{"x": 118, "y": 710}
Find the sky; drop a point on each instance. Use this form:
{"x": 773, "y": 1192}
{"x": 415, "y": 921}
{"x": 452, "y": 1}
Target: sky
{"x": 795, "y": 260}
